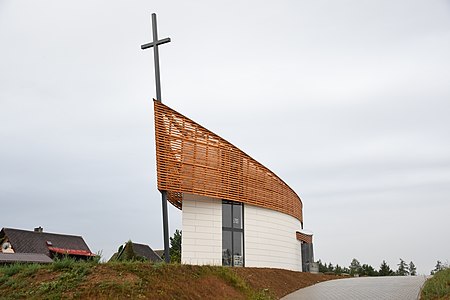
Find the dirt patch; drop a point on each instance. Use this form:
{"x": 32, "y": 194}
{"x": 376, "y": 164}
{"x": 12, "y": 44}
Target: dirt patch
{"x": 42, "y": 276}
{"x": 138, "y": 280}
{"x": 207, "y": 287}
{"x": 279, "y": 282}
{"x": 100, "y": 274}
{"x": 147, "y": 281}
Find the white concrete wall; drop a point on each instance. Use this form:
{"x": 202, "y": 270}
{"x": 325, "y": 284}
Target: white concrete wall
{"x": 269, "y": 236}
{"x": 202, "y": 230}
{"x": 269, "y": 239}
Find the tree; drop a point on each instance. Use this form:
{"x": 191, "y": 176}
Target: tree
{"x": 345, "y": 270}
{"x": 128, "y": 252}
{"x": 367, "y": 270}
{"x": 412, "y": 269}
{"x": 175, "y": 247}
{"x": 385, "y": 270}
{"x": 437, "y": 268}
{"x": 355, "y": 267}
{"x": 338, "y": 270}
{"x": 322, "y": 267}
{"x": 330, "y": 268}
{"x": 402, "y": 268}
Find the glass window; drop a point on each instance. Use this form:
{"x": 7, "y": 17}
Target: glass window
{"x": 238, "y": 257}
{"x": 226, "y": 215}
{"x": 226, "y": 248}
{"x": 232, "y": 234}
{"x": 237, "y": 216}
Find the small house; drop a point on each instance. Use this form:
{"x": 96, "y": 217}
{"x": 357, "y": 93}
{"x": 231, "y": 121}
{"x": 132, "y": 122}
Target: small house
{"x": 19, "y": 245}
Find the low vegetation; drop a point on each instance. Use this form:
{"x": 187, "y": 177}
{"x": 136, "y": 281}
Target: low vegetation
{"x": 438, "y": 286}
{"x": 69, "y": 279}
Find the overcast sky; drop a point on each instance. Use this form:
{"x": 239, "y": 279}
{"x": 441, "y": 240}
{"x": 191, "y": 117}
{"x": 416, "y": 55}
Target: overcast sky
{"x": 347, "y": 101}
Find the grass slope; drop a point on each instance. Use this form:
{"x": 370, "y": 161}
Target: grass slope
{"x": 437, "y": 287}
{"x": 67, "y": 279}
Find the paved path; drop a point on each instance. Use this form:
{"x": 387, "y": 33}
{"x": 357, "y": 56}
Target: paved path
{"x": 394, "y": 287}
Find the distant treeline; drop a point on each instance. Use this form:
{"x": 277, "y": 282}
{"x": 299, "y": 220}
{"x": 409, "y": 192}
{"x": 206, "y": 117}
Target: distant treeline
{"x": 356, "y": 269}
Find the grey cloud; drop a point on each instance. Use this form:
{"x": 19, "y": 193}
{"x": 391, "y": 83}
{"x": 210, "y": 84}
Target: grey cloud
{"x": 346, "y": 101}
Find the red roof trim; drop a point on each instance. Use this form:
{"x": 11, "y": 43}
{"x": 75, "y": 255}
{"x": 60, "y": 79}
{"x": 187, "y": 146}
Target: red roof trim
{"x": 71, "y": 251}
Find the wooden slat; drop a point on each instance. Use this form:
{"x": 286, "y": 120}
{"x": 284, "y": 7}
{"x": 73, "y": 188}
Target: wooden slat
{"x": 303, "y": 237}
{"x": 192, "y": 159}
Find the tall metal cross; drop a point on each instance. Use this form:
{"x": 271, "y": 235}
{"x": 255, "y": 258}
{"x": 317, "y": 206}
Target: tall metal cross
{"x": 155, "y": 45}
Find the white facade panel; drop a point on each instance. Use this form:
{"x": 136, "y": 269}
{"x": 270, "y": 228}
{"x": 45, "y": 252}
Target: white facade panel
{"x": 202, "y": 230}
{"x": 270, "y": 240}
{"x": 269, "y": 236}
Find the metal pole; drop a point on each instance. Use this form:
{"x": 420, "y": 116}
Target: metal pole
{"x": 156, "y": 56}
{"x": 158, "y": 98}
{"x": 165, "y": 226}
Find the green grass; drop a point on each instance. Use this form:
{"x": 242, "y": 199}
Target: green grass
{"x": 161, "y": 268}
{"x": 8, "y": 272}
{"x": 438, "y": 286}
{"x": 71, "y": 274}
{"x": 13, "y": 277}
{"x": 237, "y": 282}
{"x": 67, "y": 278}
{"x": 16, "y": 278}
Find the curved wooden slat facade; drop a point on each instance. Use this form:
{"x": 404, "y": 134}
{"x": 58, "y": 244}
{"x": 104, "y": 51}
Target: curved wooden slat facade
{"x": 191, "y": 159}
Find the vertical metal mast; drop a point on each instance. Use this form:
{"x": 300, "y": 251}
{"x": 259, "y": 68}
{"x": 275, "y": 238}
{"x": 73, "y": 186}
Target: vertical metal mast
{"x": 155, "y": 45}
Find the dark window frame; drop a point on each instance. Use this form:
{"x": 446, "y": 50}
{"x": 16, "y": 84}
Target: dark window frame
{"x": 232, "y": 229}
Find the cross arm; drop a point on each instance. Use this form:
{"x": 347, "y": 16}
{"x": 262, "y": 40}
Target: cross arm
{"x": 152, "y": 44}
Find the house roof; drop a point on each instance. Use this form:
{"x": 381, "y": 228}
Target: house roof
{"x": 145, "y": 251}
{"x": 159, "y": 252}
{"x": 24, "y": 257}
{"x": 24, "y": 241}
{"x": 141, "y": 250}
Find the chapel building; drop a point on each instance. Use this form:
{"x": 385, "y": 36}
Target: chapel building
{"x": 235, "y": 211}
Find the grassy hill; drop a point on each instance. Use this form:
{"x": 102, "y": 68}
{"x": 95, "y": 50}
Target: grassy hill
{"x": 437, "y": 287}
{"x": 143, "y": 280}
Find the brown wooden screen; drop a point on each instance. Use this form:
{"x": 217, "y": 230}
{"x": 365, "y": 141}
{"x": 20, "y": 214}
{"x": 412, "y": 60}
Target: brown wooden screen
{"x": 191, "y": 159}
{"x": 303, "y": 237}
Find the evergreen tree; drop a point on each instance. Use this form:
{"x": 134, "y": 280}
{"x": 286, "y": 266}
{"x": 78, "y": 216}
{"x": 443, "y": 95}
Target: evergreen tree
{"x": 385, "y": 270}
{"x": 367, "y": 270}
{"x": 402, "y": 268}
{"x": 175, "y": 247}
{"x": 437, "y": 268}
{"x": 330, "y": 268}
{"x": 338, "y": 270}
{"x": 355, "y": 267}
{"x": 128, "y": 252}
{"x": 412, "y": 269}
{"x": 322, "y": 267}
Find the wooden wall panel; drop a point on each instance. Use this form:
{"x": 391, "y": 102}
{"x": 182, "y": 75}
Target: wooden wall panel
{"x": 192, "y": 159}
{"x": 303, "y": 237}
